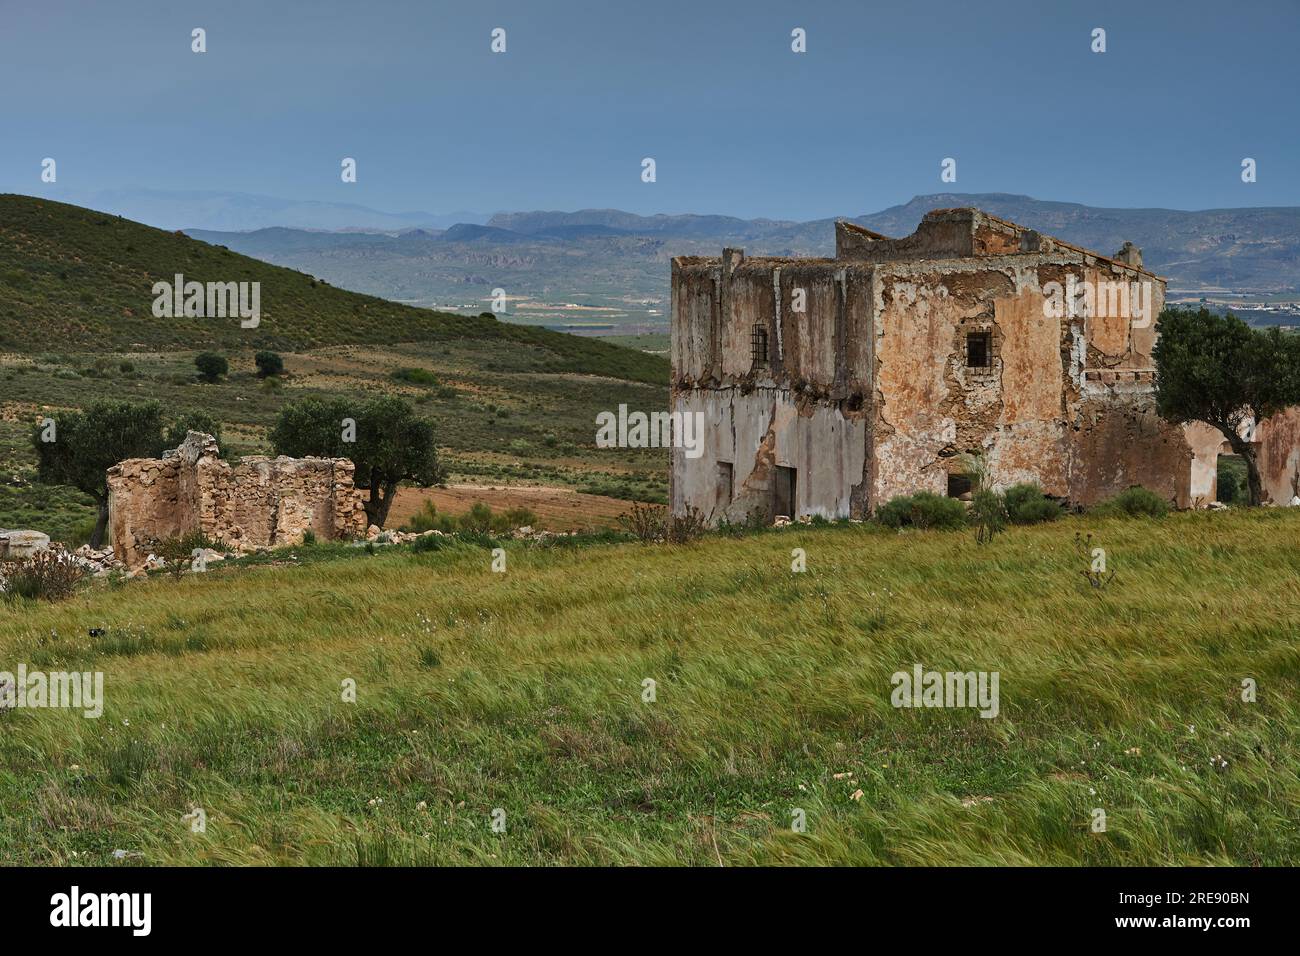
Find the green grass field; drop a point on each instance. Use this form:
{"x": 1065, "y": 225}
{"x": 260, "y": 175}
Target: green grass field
{"x": 522, "y": 692}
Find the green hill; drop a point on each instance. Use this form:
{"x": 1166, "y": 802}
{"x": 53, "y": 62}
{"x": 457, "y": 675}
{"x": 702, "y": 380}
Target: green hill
{"x": 76, "y": 279}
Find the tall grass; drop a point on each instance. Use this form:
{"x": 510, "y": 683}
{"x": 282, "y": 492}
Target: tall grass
{"x": 523, "y": 691}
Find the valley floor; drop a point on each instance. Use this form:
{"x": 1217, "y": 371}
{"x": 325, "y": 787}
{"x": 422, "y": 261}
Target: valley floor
{"x": 520, "y": 698}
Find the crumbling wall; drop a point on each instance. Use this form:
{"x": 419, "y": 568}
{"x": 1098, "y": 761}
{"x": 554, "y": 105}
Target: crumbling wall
{"x": 755, "y": 433}
{"x": 1278, "y": 456}
{"x": 260, "y": 502}
{"x": 868, "y": 392}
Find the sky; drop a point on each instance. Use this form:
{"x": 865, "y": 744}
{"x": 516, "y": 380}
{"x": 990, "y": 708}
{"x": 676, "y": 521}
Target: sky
{"x": 736, "y": 122}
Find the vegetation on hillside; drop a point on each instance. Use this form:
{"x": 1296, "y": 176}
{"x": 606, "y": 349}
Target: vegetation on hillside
{"x": 75, "y": 279}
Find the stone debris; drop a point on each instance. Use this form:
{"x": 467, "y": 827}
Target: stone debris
{"x": 98, "y": 563}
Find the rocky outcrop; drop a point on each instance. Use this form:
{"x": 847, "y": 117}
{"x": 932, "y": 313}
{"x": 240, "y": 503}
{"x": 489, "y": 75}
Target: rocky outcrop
{"x": 260, "y": 502}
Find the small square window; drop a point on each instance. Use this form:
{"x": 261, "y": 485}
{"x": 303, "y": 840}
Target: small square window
{"x": 979, "y": 350}
{"x": 758, "y": 346}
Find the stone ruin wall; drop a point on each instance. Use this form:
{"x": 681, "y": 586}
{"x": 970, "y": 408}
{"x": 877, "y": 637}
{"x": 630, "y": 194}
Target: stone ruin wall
{"x": 260, "y": 502}
{"x": 867, "y": 396}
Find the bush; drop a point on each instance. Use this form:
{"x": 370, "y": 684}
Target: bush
{"x": 1229, "y": 487}
{"x": 428, "y": 542}
{"x": 1135, "y": 502}
{"x": 476, "y": 521}
{"x": 1026, "y": 504}
{"x": 1232, "y": 481}
{"x": 512, "y": 518}
{"x": 686, "y": 526}
{"x": 924, "y": 509}
{"x": 416, "y": 376}
{"x": 177, "y": 552}
{"x": 988, "y": 514}
{"x": 211, "y": 366}
{"x": 194, "y": 422}
{"x": 46, "y": 575}
{"x": 428, "y": 519}
{"x": 647, "y": 522}
{"x": 268, "y": 364}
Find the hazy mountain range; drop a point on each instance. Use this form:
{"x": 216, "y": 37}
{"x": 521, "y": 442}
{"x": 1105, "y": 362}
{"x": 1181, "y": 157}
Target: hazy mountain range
{"x": 242, "y": 212}
{"x": 605, "y": 267}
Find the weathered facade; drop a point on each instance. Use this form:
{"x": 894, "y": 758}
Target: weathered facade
{"x": 829, "y": 386}
{"x": 261, "y": 502}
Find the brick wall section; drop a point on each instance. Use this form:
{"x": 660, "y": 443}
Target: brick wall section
{"x": 260, "y": 502}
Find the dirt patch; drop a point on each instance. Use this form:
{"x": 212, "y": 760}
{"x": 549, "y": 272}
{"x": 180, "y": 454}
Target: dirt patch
{"x": 558, "y": 509}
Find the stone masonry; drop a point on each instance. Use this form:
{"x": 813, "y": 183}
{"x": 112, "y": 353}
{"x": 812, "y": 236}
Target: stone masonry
{"x": 260, "y": 502}
{"x": 829, "y": 386}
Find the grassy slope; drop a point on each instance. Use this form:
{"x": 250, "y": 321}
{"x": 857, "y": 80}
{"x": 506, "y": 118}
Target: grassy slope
{"x": 225, "y": 695}
{"x": 73, "y": 278}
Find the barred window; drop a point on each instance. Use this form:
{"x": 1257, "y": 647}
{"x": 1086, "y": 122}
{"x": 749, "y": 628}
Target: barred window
{"x": 758, "y": 346}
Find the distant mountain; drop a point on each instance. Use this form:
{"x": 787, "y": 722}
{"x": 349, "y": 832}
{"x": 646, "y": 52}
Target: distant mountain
{"x": 599, "y": 267}
{"x": 76, "y": 279}
{"x": 614, "y": 220}
{"x": 240, "y": 212}
{"x": 1253, "y": 249}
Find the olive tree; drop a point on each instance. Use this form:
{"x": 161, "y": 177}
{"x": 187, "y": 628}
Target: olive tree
{"x": 385, "y": 439}
{"x": 1216, "y": 369}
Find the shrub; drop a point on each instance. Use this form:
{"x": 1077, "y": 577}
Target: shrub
{"x": 211, "y": 366}
{"x": 1135, "y": 502}
{"x": 194, "y": 422}
{"x": 416, "y": 376}
{"x": 268, "y": 364}
{"x": 686, "y": 526}
{"x": 476, "y": 521}
{"x": 1026, "y": 504}
{"x": 647, "y": 522}
{"x": 924, "y": 509}
{"x": 428, "y": 519}
{"x": 46, "y": 575}
{"x": 428, "y": 542}
{"x": 1229, "y": 487}
{"x": 755, "y": 520}
{"x": 1233, "y": 488}
{"x": 517, "y": 517}
{"x": 177, "y": 552}
{"x": 126, "y": 368}
{"x": 479, "y": 538}
{"x": 987, "y": 510}
{"x": 988, "y": 514}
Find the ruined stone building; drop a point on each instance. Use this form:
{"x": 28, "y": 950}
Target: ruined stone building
{"x": 829, "y": 386}
{"x": 260, "y": 502}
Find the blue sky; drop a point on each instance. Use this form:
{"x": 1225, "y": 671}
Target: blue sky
{"x": 737, "y": 123}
